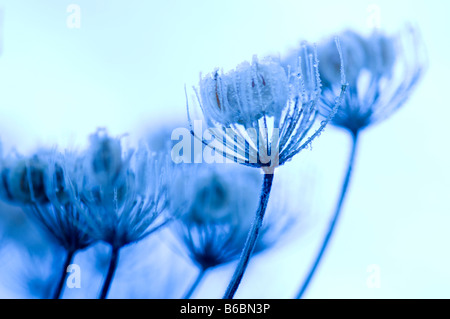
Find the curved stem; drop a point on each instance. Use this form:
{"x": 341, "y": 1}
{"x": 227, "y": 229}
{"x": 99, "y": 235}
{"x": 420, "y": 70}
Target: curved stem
{"x": 194, "y": 286}
{"x": 111, "y": 270}
{"x": 335, "y": 218}
{"x": 59, "y": 289}
{"x": 251, "y": 238}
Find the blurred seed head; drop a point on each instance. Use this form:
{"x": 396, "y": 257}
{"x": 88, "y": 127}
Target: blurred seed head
{"x": 218, "y": 206}
{"x": 382, "y": 70}
{"x": 43, "y": 186}
{"x": 218, "y": 210}
{"x": 64, "y": 216}
{"x": 127, "y": 197}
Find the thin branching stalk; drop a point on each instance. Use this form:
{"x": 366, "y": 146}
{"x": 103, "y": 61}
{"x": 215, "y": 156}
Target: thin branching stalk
{"x": 111, "y": 271}
{"x": 195, "y": 284}
{"x": 251, "y": 238}
{"x": 59, "y": 289}
{"x": 335, "y": 218}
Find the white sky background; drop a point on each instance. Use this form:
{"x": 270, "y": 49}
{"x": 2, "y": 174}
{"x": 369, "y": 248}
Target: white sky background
{"x": 126, "y": 67}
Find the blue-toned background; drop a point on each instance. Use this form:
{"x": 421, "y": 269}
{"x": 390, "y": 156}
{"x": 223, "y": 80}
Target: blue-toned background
{"x": 125, "y": 69}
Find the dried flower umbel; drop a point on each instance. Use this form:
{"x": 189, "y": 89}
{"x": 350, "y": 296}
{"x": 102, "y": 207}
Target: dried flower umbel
{"x": 382, "y": 71}
{"x": 64, "y": 216}
{"x": 126, "y": 195}
{"x": 42, "y": 186}
{"x": 260, "y": 116}
{"x": 217, "y": 213}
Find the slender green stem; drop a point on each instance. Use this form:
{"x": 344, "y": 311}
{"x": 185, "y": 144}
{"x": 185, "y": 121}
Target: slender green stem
{"x": 194, "y": 286}
{"x": 335, "y": 218}
{"x": 111, "y": 271}
{"x": 59, "y": 289}
{"x": 251, "y": 238}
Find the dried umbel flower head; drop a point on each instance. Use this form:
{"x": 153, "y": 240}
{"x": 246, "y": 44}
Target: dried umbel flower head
{"x": 129, "y": 201}
{"x": 217, "y": 211}
{"x": 63, "y": 217}
{"x": 259, "y": 114}
{"x": 382, "y": 71}
{"x": 42, "y": 186}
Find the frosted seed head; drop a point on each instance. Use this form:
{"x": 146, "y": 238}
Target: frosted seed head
{"x": 245, "y": 94}
{"x": 380, "y": 85}
{"x": 354, "y": 53}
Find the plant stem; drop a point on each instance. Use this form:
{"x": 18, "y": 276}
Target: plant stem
{"x": 111, "y": 270}
{"x": 251, "y": 238}
{"x": 59, "y": 289}
{"x": 199, "y": 278}
{"x": 336, "y": 215}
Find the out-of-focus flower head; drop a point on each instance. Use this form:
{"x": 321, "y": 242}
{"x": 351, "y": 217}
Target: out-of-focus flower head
{"x": 382, "y": 71}
{"x": 64, "y": 216}
{"x": 217, "y": 212}
{"x": 259, "y": 113}
{"x": 42, "y": 185}
{"x": 125, "y": 192}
